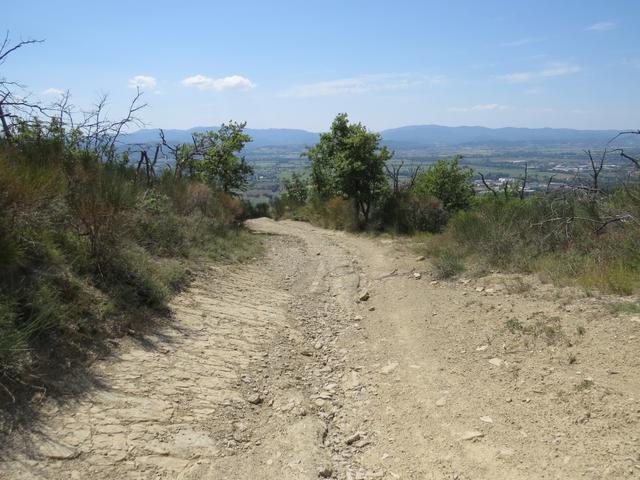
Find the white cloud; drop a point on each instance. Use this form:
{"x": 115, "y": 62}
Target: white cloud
{"x": 602, "y": 26}
{"x": 364, "y": 84}
{"x": 534, "y": 90}
{"x": 552, "y": 70}
{"x": 143, "y": 82}
{"x": 521, "y": 41}
{"x": 52, "y": 92}
{"x": 205, "y": 83}
{"x": 479, "y": 108}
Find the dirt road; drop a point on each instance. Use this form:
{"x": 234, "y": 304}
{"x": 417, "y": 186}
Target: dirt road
{"x": 283, "y": 369}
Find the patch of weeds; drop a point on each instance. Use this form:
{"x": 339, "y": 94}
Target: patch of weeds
{"x": 549, "y": 328}
{"x": 447, "y": 264}
{"x": 231, "y": 246}
{"x": 572, "y": 358}
{"x": 514, "y": 325}
{"x": 630, "y": 308}
{"x": 585, "y": 384}
{"x": 540, "y": 325}
{"x": 581, "y": 330}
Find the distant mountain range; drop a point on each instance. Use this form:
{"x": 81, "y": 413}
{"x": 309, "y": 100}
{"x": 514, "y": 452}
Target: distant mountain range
{"x": 416, "y": 137}
{"x": 267, "y": 137}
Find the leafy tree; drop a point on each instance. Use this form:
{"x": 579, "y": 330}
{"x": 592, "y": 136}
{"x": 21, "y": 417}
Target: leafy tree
{"x": 296, "y": 188}
{"x": 348, "y": 161}
{"x": 448, "y": 182}
{"x": 220, "y": 167}
{"x": 212, "y": 157}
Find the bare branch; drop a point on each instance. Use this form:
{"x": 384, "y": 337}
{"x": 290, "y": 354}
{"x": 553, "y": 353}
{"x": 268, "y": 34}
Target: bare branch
{"x": 636, "y": 161}
{"x": 414, "y": 175}
{"x": 624, "y": 132}
{"x": 549, "y": 184}
{"x": 487, "y": 186}
{"x": 5, "y": 50}
{"x": 524, "y": 181}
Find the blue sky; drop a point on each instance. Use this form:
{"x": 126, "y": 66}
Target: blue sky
{"x": 298, "y": 63}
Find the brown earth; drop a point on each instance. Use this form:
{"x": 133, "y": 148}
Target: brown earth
{"x": 277, "y": 370}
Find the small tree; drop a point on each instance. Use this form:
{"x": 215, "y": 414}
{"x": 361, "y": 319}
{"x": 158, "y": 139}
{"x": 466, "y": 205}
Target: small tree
{"x": 448, "y": 182}
{"x": 212, "y": 156}
{"x": 348, "y": 161}
{"x": 220, "y": 166}
{"x": 296, "y": 188}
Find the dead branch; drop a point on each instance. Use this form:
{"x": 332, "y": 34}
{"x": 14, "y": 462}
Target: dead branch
{"x": 549, "y": 184}
{"x": 487, "y": 186}
{"x": 414, "y": 175}
{"x": 636, "y": 161}
{"x": 596, "y": 169}
{"x": 6, "y": 50}
{"x": 524, "y": 181}
{"x": 393, "y": 173}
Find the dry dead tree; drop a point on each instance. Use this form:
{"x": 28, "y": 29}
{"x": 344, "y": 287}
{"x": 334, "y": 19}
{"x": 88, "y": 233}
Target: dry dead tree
{"x": 505, "y": 185}
{"x": 13, "y": 105}
{"x": 93, "y": 131}
{"x": 393, "y": 173}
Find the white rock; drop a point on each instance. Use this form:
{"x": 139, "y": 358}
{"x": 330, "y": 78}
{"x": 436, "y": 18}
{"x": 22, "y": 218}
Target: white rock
{"x": 387, "y": 369}
{"x": 417, "y": 275}
{"x": 496, "y": 362}
{"x": 486, "y": 419}
{"x": 471, "y": 435}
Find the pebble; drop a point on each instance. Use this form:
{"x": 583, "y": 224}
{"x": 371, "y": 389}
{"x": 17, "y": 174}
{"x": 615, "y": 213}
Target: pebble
{"x": 441, "y": 402}
{"x": 387, "y": 369}
{"x": 325, "y": 471}
{"x": 486, "y": 419}
{"x": 417, "y": 275}
{"x": 364, "y": 296}
{"x": 471, "y": 435}
{"x": 353, "y": 438}
{"x": 255, "y": 399}
{"x": 496, "y": 361}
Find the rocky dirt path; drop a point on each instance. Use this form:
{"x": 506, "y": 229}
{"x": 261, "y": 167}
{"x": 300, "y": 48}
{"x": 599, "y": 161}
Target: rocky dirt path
{"x": 284, "y": 369}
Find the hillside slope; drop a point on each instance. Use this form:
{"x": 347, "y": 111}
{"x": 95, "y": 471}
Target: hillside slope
{"x": 282, "y": 369}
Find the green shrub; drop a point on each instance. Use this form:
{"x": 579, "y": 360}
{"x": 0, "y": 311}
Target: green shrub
{"x": 448, "y": 182}
{"x": 554, "y": 235}
{"x": 447, "y": 263}
{"x": 88, "y": 245}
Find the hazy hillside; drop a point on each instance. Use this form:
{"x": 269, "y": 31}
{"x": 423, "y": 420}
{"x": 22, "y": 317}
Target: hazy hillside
{"x": 415, "y": 136}
{"x": 261, "y": 137}
{"x": 436, "y": 135}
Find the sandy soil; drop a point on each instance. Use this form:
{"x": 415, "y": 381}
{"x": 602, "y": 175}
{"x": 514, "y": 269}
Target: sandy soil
{"x": 282, "y": 370}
